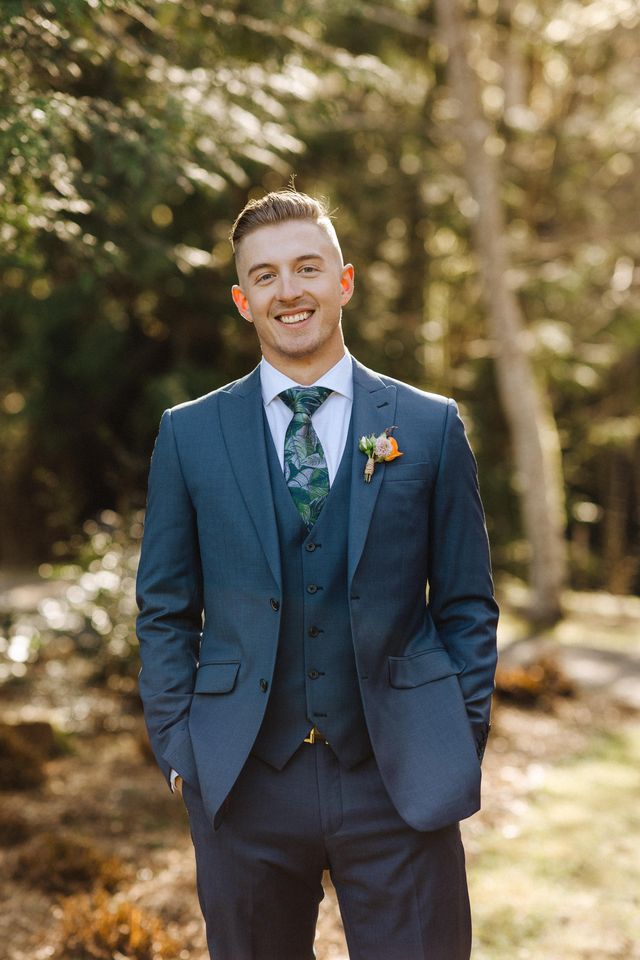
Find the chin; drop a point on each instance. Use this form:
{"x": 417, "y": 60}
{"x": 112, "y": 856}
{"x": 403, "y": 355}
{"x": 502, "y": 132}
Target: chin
{"x": 299, "y": 350}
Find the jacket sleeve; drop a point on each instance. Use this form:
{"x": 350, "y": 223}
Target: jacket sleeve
{"x": 461, "y": 597}
{"x": 169, "y": 595}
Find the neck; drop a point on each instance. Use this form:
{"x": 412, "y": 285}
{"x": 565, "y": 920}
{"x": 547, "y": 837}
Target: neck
{"x": 306, "y": 370}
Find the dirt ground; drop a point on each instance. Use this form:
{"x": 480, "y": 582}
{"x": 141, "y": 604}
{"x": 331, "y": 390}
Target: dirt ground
{"x": 553, "y": 857}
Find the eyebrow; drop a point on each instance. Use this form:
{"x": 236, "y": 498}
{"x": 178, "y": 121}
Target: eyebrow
{"x": 303, "y": 256}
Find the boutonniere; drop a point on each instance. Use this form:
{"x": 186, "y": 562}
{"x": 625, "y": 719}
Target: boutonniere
{"x": 380, "y": 449}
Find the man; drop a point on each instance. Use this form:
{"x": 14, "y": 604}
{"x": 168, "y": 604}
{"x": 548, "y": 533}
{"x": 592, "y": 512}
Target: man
{"x": 318, "y": 710}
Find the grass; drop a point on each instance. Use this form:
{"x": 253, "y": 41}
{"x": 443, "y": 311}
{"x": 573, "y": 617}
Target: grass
{"x": 560, "y": 880}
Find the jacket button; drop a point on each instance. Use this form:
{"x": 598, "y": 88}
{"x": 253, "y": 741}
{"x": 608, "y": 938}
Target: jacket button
{"x": 275, "y": 604}
{"x": 264, "y": 685}
{"x": 312, "y": 588}
{"x": 310, "y": 547}
{"x": 313, "y": 631}
{"x": 313, "y": 674}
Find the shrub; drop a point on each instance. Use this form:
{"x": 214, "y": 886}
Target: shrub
{"x": 61, "y": 864}
{"x": 21, "y": 766}
{"x": 93, "y": 927}
{"x": 14, "y": 829}
{"x": 43, "y": 738}
{"x": 533, "y": 683}
{"x": 91, "y": 610}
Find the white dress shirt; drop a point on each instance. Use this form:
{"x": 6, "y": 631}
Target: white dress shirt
{"x": 331, "y": 419}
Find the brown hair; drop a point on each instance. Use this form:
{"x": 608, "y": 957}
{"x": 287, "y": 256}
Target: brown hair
{"x": 277, "y": 207}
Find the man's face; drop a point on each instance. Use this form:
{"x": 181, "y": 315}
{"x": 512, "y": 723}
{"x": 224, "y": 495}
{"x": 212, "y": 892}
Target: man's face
{"x": 292, "y": 287}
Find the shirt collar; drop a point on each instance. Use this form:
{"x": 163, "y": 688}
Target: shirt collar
{"x": 339, "y": 379}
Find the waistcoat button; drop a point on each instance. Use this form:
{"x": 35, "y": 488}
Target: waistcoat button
{"x": 312, "y": 588}
{"x": 310, "y": 547}
{"x": 275, "y": 604}
{"x": 264, "y": 685}
{"x": 313, "y": 674}
{"x": 313, "y": 631}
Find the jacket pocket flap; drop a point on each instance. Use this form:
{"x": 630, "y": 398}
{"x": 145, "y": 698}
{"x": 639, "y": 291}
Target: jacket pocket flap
{"x": 217, "y": 677}
{"x": 421, "y": 668}
{"x": 398, "y": 471}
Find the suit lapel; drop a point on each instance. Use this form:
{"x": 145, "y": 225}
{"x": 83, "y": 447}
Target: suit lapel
{"x": 242, "y": 423}
{"x": 374, "y": 405}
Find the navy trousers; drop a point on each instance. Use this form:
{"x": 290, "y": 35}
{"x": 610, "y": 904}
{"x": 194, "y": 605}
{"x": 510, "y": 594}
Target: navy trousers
{"x": 402, "y": 893}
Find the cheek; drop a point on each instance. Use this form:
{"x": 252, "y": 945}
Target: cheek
{"x": 256, "y": 307}
{"x": 333, "y": 298}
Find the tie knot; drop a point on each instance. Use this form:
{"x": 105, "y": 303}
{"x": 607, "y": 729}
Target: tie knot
{"x": 305, "y": 400}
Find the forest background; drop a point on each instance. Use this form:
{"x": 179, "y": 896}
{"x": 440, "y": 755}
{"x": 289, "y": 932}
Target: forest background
{"x": 481, "y": 157}
{"x": 132, "y": 133}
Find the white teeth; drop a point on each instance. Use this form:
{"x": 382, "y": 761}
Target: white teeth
{"x": 295, "y": 317}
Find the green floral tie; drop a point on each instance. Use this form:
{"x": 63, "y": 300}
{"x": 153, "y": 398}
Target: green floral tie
{"x": 305, "y": 467}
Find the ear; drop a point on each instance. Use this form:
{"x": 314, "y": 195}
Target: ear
{"x": 347, "y": 282}
{"x": 241, "y": 302}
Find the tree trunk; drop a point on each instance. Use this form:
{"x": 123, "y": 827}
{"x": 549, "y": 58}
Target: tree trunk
{"x": 620, "y": 565}
{"x": 532, "y": 427}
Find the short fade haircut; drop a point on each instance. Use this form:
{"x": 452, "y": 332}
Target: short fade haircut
{"x": 279, "y": 206}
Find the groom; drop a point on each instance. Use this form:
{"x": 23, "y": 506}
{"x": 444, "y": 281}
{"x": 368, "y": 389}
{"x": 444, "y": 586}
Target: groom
{"x": 318, "y": 647}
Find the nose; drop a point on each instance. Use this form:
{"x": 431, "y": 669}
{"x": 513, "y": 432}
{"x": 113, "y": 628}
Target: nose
{"x": 289, "y": 287}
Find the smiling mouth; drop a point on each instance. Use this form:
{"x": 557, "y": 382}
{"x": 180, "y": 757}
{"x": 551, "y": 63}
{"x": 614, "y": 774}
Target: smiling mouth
{"x": 291, "y": 319}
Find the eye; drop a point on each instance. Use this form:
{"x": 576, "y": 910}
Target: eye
{"x": 263, "y": 277}
{"x": 309, "y": 268}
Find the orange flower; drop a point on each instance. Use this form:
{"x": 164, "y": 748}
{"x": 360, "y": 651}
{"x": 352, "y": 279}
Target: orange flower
{"x": 394, "y": 452}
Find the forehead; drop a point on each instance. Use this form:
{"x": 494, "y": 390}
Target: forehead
{"x": 284, "y": 242}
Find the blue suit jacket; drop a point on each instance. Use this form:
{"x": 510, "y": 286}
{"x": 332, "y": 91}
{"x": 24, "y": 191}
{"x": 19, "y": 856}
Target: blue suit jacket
{"x": 421, "y": 602}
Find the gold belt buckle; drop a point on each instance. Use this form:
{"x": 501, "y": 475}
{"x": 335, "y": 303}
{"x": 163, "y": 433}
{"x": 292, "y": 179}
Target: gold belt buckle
{"x": 314, "y": 736}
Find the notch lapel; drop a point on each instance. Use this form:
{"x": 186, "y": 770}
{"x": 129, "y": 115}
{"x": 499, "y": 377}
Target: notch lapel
{"x": 242, "y": 424}
{"x": 374, "y": 407}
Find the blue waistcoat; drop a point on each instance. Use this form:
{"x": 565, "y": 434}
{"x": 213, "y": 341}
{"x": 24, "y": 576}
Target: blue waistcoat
{"x": 315, "y": 680}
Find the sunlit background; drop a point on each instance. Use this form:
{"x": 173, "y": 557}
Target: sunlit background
{"x": 481, "y": 159}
